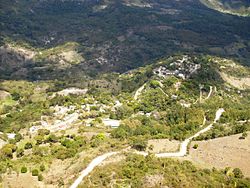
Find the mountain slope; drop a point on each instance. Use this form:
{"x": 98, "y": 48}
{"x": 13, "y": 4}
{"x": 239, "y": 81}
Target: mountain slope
{"x": 238, "y": 7}
{"x": 121, "y": 35}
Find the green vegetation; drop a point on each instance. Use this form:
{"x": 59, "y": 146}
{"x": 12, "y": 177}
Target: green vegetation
{"x": 24, "y": 169}
{"x": 138, "y": 171}
{"x": 237, "y": 173}
{"x": 35, "y": 172}
{"x": 168, "y": 107}
{"x": 40, "y": 177}
{"x": 113, "y": 46}
{"x": 28, "y": 145}
{"x": 195, "y": 146}
{"x": 42, "y": 167}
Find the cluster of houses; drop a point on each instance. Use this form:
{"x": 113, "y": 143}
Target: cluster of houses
{"x": 182, "y": 68}
{"x": 63, "y": 117}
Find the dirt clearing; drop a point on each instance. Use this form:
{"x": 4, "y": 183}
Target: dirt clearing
{"x": 240, "y": 83}
{"x": 15, "y": 180}
{"x": 162, "y": 145}
{"x": 223, "y": 152}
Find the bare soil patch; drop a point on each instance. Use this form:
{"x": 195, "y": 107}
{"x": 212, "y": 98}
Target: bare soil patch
{"x": 223, "y": 152}
{"x": 240, "y": 83}
{"x": 162, "y": 145}
{"x": 2, "y": 143}
{"x": 4, "y": 95}
{"x": 153, "y": 181}
{"x": 15, "y": 180}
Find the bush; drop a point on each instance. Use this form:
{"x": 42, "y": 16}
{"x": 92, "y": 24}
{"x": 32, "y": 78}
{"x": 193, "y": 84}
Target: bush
{"x": 119, "y": 133}
{"x": 35, "y": 172}
{"x": 18, "y": 137}
{"x": 39, "y": 139}
{"x": 40, "y": 177}
{"x": 52, "y": 138}
{"x": 28, "y": 145}
{"x": 6, "y": 152}
{"x": 244, "y": 135}
{"x": 237, "y": 173}
{"x": 154, "y": 84}
{"x": 123, "y": 112}
{"x": 42, "y": 167}
{"x": 43, "y": 132}
{"x": 195, "y": 146}
{"x": 20, "y": 152}
{"x": 24, "y": 169}
{"x": 139, "y": 144}
{"x": 97, "y": 140}
{"x": 62, "y": 153}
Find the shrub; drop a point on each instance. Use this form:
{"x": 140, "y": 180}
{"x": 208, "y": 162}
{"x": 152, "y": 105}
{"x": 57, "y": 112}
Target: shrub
{"x": 18, "y": 137}
{"x": 154, "y": 84}
{"x": 39, "y": 139}
{"x": 6, "y": 152}
{"x": 119, "y": 133}
{"x": 139, "y": 144}
{"x": 42, "y": 167}
{"x": 40, "y": 177}
{"x": 35, "y": 172}
{"x": 43, "y": 132}
{"x": 20, "y": 152}
{"x": 24, "y": 169}
{"x": 244, "y": 135}
{"x": 62, "y": 153}
{"x": 28, "y": 145}
{"x": 97, "y": 140}
{"x": 52, "y": 138}
{"x": 195, "y": 146}
{"x": 123, "y": 112}
{"x": 237, "y": 173}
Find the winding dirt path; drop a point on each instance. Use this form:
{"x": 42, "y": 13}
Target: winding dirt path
{"x": 181, "y": 153}
{"x": 138, "y": 92}
{"x": 210, "y": 93}
{"x": 97, "y": 161}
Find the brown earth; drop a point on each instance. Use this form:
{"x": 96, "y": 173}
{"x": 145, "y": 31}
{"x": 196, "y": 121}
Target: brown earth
{"x": 2, "y": 143}
{"x": 15, "y": 180}
{"x": 163, "y": 145}
{"x": 240, "y": 83}
{"x": 223, "y": 152}
{"x": 4, "y": 95}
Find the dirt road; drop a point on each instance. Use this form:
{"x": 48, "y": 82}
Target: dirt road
{"x": 181, "y": 153}
{"x": 138, "y": 92}
{"x": 97, "y": 161}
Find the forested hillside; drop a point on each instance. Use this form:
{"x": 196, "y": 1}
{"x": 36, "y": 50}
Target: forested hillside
{"x": 114, "y": 35}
